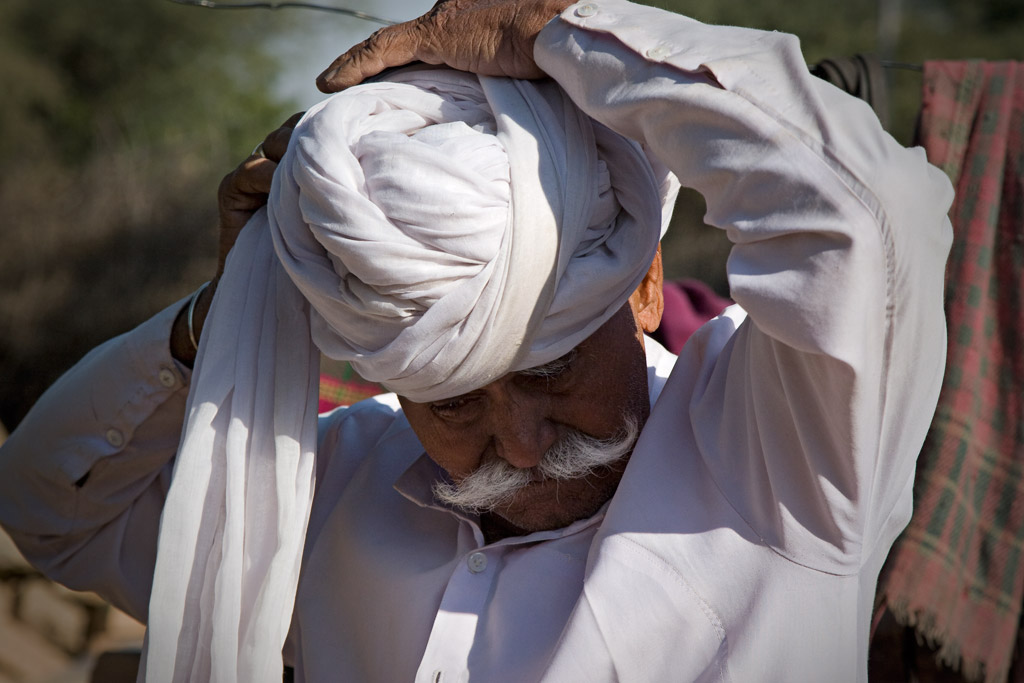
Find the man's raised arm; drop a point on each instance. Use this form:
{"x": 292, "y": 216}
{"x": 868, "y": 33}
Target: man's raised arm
{"x": 84, "y": 476}
{"x": 815, "y": 409}
{"x": 840, "y": 238}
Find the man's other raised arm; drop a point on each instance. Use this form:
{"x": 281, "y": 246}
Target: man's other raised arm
{"x": 814, "y": 411}
{"x": 84, "y": 476}
{"x": 810, "y": 415}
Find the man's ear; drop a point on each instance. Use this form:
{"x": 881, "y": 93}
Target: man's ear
{"x": 648, "y": 301}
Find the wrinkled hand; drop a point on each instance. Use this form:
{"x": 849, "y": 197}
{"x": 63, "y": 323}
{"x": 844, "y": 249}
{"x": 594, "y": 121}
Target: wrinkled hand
{"x": 245, "y": 189}
{"x": 241, "y": 193}
{"x": 488, "y": 37}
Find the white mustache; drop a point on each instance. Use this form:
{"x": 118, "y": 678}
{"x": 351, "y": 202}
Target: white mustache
{"x": 576, "y": 455}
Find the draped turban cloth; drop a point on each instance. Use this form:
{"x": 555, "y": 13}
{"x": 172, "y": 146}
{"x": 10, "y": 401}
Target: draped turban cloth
{"x": 438, "y": 230}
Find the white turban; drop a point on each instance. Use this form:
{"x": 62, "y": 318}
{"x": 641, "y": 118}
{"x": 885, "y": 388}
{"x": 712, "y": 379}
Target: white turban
{"x": 438, "y": 230}
{"x": 450, "y": 232}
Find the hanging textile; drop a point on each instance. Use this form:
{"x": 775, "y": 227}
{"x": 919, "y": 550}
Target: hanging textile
{"x": 340, "y": 385}
{"x": 689, "y": 304}
{"x": 957, "y": 572}
{"x": 860, "y": 75}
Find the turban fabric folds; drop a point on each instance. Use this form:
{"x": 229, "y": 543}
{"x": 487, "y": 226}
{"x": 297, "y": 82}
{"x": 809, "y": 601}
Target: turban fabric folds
{"x": 438, "y": 230}
{"x": 488, "y": 244}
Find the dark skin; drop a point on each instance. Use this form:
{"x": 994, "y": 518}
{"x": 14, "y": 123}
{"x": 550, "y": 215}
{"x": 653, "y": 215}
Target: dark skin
{"x": 516, "y": 418}
{"x": 488, "y": 37}
{"x": 519, "y": 417}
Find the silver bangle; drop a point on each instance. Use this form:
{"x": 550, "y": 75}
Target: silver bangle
{"x": 191, "y": 311}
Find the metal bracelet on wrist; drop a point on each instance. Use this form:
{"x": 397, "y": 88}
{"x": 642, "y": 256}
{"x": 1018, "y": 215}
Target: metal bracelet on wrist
{"x": 191, "y": 312}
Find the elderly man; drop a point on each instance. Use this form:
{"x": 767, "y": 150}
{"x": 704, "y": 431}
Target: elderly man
{"x": 550, "y": 496}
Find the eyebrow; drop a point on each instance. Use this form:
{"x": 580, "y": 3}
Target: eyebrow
{"x": 552, "y": 369}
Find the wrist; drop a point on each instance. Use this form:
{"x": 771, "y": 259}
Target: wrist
{"x": 188, "y": 324}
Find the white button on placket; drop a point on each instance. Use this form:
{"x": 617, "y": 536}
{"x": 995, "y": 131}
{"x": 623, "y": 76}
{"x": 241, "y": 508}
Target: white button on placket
{"x": 167, "y": 377}
{"x": 587, "y": 10}
{"x": 658, "y": 53}
{"x": 477, "y": 562}
{"x": 115, "y": 438}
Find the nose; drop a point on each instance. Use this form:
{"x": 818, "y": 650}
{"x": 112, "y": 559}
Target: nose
{"x": 522, "y": 431}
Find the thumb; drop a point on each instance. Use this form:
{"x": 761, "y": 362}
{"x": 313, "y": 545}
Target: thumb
{"x": 388, "y": 47}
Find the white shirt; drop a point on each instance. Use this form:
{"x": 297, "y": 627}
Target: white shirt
{"x": 746, "y": 536}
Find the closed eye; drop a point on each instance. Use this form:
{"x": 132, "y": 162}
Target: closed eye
{"x": 454, "y": 408}
{"x": 552, "y": 373}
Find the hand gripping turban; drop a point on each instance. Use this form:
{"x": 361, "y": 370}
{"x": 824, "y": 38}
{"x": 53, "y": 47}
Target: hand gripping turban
{"x": 438, "y": 230}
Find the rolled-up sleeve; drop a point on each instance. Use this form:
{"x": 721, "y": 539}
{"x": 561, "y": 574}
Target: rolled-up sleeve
{"x": 83, "y": 477}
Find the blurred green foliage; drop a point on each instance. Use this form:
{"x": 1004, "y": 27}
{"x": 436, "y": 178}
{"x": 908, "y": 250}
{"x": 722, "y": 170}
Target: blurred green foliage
{"x": 126, "y": 75}
{"x": 119, "y": 118}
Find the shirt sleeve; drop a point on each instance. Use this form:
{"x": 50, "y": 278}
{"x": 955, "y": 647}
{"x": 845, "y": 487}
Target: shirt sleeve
{"x": 84, "y": 476}
{"x": 811, "y": 415}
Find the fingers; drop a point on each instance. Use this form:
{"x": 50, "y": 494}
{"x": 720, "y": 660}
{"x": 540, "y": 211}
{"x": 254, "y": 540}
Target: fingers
{"x": 245, "y": 189}
{"x": 276, "y": 143}
{"x": 489, "y": 37}
{"x": 388, "y": 47}
{"x": 240, "y": 194}
{"x": 252, "y": 177}
{"x": 293, "y": 119}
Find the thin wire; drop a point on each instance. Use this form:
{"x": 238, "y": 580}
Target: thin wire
{"x": 887, "y": 64}
{"x": 209, "y": 4}
{"x": 906, "y": 66}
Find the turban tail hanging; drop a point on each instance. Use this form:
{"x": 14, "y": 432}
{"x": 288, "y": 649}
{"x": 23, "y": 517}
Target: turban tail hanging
{"x": 438, "y": 230}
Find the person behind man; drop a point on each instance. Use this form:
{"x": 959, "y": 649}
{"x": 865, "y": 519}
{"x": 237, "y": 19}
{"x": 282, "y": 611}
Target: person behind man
{"x": 540, "y": 501}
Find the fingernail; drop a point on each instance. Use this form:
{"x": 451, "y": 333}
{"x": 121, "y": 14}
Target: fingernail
{"x": 323, "y": 81}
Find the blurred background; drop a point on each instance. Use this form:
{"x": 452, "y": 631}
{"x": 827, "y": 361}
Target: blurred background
{"x": 119, "y": 117}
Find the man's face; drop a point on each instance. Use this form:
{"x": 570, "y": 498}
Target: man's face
{"x": 594, "y": 390}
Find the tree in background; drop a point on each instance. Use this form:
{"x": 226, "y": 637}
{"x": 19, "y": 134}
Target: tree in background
{"x": 119, "y": 119}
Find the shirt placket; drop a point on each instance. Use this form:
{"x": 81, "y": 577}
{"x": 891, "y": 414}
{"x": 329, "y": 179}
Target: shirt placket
{"x": 446, "y": 658}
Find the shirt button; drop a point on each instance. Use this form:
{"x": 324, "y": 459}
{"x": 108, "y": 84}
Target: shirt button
{"x": 658, "y": 53}
{"x": 477, "y": 562}
{"x": 167, "y": 378}
{"x": 115, "y": 438}
{"x": 587, "y": 10}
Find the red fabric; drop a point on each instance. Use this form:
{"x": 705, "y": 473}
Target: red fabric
{"x": 688, "y": 305}
{"x": 957, "y": 572}
{"x": 341, "y": 386}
